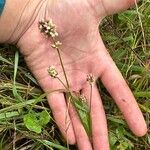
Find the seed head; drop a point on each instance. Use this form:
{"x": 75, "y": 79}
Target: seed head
{"x": 90, "y": 79}
{"x": 52, "y": 72}
{"x": 48, "y": 28}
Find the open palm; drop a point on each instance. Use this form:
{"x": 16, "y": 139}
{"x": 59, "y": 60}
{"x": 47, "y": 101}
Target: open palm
{"x": 83, "y": 52}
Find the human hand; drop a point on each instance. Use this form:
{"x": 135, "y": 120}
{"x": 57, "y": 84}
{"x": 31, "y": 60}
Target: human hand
{"x": 83, "y": 52}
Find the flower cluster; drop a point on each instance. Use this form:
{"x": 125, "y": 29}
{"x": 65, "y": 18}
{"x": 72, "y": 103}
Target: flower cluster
{"x": 48, "y": 28}
{"x": 83, "y": 98}
{"x": 52, "y": 72}
{"x": 90, "y": 79}
{"x": 56, "y": 44}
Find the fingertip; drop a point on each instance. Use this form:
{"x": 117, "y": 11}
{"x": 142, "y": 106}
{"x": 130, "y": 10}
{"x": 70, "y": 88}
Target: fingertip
{"x": 138, "y": 125}
{"x": 142, "y": 131}
{"x": 71, "y": 139}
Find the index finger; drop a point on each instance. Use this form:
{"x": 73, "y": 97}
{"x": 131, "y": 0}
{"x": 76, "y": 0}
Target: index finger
{"x": 121, "y": 93}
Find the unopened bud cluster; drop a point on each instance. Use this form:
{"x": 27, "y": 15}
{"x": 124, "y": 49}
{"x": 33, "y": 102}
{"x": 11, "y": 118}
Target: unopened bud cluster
{"x": 53, "y": 72}
{"x": 48, "y": 28}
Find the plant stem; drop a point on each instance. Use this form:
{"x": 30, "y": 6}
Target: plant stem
{"x": 90, "y": 122}
{"x": 91, "y": 90}
{"x": 62, "y": 83}
{"x": 62, "y": 65}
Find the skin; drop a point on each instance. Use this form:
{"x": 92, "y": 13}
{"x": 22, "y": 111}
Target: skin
{"x": 83, "y": 52}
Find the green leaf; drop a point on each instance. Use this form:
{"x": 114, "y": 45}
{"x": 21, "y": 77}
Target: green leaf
{"x": 8, "y": 115}
{"x": 24, "y": 104}
{"x": 116, "y": 120}
{"x": 120, "y": 132}
{"x": 123, "y": 145}
{"x": 112, "y": 139}
{"x": 83, "y": 111}
{"x": 32, "y": 123}
{"x": 127, "y": 16}
{"x": 35, "y": 121}
{"x": 5, "y": 60}
{"x": 49, "y": 145}
{"x": 148, "y": 139}
{"x": 44, "y": 118}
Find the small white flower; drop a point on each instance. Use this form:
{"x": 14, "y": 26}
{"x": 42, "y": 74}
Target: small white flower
{"x": 56, "y": 44}
{"x": 50, "y": 23}
{"x": 52, "y": 72}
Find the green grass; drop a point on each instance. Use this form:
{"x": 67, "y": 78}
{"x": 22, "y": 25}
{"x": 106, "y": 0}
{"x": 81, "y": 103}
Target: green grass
{"x": 127, "y": 36}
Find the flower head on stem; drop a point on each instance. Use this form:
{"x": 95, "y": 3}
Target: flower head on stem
{"x": 48, "y": 28}
{"x": 83, "y": 98}
{"x": 52, "y": 72}
{"x": 90, "y": 79}
{"x": 56, "y": 45}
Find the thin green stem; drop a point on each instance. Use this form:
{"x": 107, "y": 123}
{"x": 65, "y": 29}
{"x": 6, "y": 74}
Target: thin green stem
{"x": 67, "y": 125}
{"x": 61, "y": 62}
{"x": 91, "y": 91}
{"x": 63, "y": 83}
{"x": 90, "y": 122}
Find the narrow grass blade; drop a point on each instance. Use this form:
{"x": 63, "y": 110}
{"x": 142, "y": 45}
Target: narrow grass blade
{"x": 8, "y": 115}
{"x": 15, "y": 93}
{"x": 51, "y": 144}
{"x": 5, "y": 60}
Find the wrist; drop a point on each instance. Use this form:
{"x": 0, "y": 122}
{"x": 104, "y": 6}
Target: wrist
{"x": 16, "y": 17}
{"x": 2, "y": 4}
